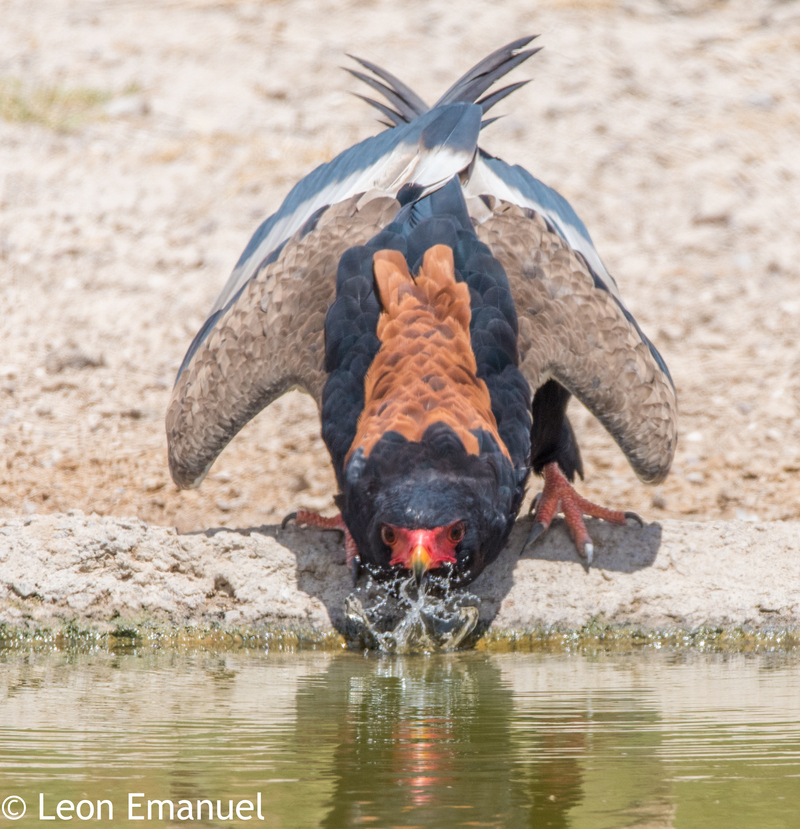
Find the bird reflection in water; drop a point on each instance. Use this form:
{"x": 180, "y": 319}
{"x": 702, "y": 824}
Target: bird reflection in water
{"x": 431, "y": 741}
{"x": 424, "y": 761}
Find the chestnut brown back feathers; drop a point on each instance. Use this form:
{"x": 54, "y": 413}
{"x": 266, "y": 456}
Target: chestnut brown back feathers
{"x": 425, "y": 371}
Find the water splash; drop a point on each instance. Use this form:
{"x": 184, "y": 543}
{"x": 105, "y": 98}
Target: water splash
{"x": 401, "y": 617}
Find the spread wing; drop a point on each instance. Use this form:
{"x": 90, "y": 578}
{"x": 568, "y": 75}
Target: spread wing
{"x": 573, "y": 328}
{"x": 408, "y": 162}
{"x": 267, "y": 341}
{"x": 264, "y": 334}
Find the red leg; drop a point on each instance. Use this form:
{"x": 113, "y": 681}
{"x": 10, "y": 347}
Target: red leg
{"x": 558, "y": 494}
{"x": 313, "y": 519}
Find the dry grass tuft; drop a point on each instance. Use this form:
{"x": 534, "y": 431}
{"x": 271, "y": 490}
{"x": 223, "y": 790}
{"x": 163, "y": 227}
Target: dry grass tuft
{"x": 59, "y": 108}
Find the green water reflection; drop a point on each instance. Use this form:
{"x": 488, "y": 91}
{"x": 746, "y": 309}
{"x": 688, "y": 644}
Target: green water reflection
{"x": 518, "y": 740}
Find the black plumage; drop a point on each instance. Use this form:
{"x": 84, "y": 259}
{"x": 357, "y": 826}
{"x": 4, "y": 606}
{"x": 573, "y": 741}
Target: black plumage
{"x": 441, "y": 306}
{"x": 434, "y": 481}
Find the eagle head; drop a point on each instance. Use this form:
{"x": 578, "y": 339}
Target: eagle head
{"x": 429, "y": 505}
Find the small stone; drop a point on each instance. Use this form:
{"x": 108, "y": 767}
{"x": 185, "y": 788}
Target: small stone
{"x": 716, "y": 208}
{"x": 695, "y": 477}
{"x": 128, "y": 106}
{"x": 24, "y": 589}
{"x": 63, "y": 358}
{"x": 659, "y": 501}
{"x": 761, "y": 100}
{"x": 52, "y": 459}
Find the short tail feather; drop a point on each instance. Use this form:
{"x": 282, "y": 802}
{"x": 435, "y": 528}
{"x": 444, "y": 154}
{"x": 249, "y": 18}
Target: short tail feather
{"x": 408, "y": 105}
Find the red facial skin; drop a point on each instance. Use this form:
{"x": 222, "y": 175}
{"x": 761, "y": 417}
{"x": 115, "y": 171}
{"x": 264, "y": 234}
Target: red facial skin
{"x": 428, "y": 549}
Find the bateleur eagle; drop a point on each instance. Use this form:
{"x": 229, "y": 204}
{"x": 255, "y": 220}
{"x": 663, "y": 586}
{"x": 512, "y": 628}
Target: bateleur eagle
{"x": 441, "y": 306}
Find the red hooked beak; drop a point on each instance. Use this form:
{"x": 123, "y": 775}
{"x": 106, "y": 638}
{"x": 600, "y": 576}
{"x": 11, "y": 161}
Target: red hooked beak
{"x": 423, "y": 550}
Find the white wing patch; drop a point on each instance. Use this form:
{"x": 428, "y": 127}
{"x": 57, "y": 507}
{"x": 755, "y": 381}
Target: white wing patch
{"x": 408, "y": 162}
{"x": 483, "y": 180}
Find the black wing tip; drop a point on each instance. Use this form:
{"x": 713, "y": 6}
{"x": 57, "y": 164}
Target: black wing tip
{"x": 484, "y": 74}
{"x": 523, "y": 41}
{"x": 488, "y": 101}
{"x": 383, "y": 109}
{"x": 486, "y": 121}
{"x": 468, "y": 88}
{"x": 404, "y": 99}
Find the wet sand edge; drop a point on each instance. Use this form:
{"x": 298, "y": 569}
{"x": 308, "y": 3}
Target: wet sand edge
{"x": 73, "y": 577}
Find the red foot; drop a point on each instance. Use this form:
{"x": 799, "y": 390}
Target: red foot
{"x": 313, "y": 519}
{"x": 558, "y": 494}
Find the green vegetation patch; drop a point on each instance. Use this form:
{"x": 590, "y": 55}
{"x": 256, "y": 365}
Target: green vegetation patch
{"x": 59, "y": 108}
{"x": 594, "y": 637}
{"x": 130, "y": 636}
{"x": 597, "y": 636}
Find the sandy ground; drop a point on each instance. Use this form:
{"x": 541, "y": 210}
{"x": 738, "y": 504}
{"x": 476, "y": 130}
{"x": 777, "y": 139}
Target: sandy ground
{"x": 105, "y": 573}
{"x": 142, "y": 142}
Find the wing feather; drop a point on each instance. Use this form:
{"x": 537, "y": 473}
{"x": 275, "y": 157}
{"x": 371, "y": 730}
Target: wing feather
{"x": 516, "y": 185}
{"x": 425, "y": 153}
{"x": 395, "y": 117}
{"x": 468, "y": 88}
{"x": 265, "y": 333}
{"x": 406, "y": 111}
{"x": 474, "y": 83}
{"x": 576, "y": 333}
{"x": 269, "y": 340}
{"x": 385, "y": 162}
{"x": 410, "y": 97}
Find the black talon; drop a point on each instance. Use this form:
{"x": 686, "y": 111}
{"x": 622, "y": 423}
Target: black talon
{"x": 632, "y": 516}
{"x": 588, "y": 552}
{"x": 292, "y": 516}
{"x": 538, "y": 529}
{"x": 534, "y": 503}
{"x": 355, "y": 570}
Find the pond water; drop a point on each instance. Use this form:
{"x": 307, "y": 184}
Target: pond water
{"x": 648, "y": 739}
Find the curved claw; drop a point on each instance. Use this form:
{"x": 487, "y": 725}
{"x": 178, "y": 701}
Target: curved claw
{"x": 538, "y": 529}
{"x": 355, "y": 569}
{"x": 535, "y": 503}
{"x": 304, "y": 518}
{"x": 292, "y": 516}
{"x": 587, "y": 551}
{"x": 633, "y": 516}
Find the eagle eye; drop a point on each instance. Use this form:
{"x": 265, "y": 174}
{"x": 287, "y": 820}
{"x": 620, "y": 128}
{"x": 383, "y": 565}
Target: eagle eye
{"x": 457, "y": 532}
